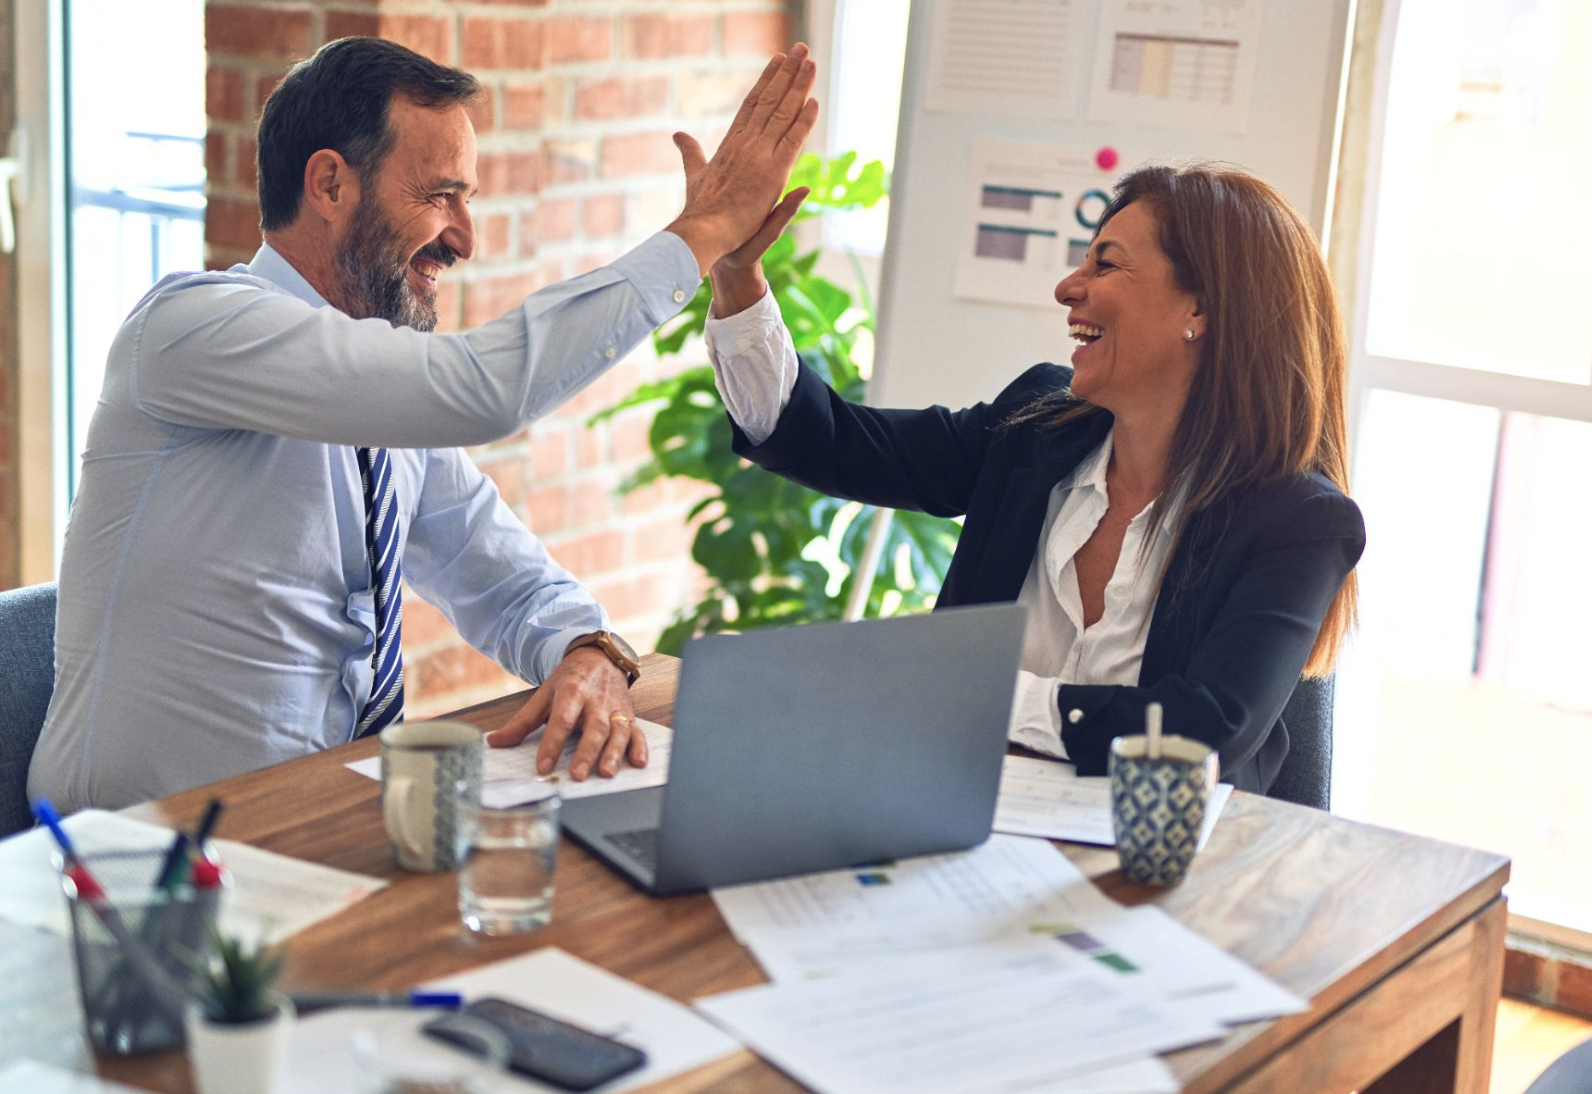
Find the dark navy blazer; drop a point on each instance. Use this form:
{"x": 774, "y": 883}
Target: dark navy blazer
{"x": 1236, "y": 616}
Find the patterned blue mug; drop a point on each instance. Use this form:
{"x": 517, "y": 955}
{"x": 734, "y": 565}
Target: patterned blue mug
{"x": 429, "y": 771}
{"x": 1158, "y": 806}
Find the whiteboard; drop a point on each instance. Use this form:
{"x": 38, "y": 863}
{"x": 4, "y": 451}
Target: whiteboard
{"x": 937, "y": 347}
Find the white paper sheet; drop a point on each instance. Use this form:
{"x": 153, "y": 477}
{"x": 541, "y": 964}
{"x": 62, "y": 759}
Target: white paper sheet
{"x": 549, "y": 980}
{"x": 1027, "y": 1016}
{"x": 1032, "y": 209}
{"x": 509, "y": 774}
{"x": 272, "y": 896}
{"x": 29, "y": 1077}
{"x": 1049, "y": 799}
{"x": 1177, "y": 64}
{"x": 1008, "y": 879}
{"x": 1005, "y": 58}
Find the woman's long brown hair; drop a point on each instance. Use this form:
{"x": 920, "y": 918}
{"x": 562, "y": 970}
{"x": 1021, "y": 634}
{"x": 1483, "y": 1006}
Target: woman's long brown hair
{"x": 1270, "y": 398}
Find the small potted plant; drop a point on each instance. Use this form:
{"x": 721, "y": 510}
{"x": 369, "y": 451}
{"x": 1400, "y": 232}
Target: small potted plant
{"x": 239, "y": 1025}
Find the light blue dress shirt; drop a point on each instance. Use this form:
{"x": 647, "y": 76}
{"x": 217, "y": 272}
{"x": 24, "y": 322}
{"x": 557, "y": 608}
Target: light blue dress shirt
{"x": 216, "y": 610}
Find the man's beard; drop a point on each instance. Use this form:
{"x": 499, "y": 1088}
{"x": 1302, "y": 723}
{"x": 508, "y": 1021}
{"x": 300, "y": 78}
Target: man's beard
{"x": 374, "y": 272}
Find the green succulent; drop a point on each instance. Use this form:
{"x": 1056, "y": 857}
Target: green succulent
{"x": 239, "y": 985}
{"x": 776, "y": 553}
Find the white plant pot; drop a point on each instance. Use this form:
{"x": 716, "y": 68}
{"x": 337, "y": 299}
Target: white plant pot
{"x": 239, "y": 1059}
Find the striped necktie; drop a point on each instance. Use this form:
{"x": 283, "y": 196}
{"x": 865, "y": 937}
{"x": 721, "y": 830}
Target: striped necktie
{"x": 386, "y": 703}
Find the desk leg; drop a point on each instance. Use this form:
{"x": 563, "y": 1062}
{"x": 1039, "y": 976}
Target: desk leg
{"x": 1458, "y": 1058}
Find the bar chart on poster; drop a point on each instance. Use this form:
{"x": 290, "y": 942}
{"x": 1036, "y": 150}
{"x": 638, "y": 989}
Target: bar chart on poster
{"x": 1018, "y": 117}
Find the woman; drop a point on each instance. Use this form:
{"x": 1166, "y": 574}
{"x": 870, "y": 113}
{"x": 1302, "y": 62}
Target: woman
{"x": 1171, "y": 509}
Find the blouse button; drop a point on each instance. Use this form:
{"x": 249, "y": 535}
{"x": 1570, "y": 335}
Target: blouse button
{"x": 1074, "y": 716}
{"x": 679, "y": 296}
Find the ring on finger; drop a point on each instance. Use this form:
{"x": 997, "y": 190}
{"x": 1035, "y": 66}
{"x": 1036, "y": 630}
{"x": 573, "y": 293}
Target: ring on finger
{"x": 623, "y": 719}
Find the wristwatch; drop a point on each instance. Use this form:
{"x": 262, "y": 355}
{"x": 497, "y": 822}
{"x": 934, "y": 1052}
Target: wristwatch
{"x": 616, "y": 649}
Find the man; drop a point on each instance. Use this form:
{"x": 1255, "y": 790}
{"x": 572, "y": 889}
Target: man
{"x": 274, "y": 447}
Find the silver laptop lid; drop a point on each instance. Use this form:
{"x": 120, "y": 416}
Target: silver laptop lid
{"x": 827, "y": 745}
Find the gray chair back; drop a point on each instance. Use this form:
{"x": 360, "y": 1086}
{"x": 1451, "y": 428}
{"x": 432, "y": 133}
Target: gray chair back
{"x": 1306, "y": 773}
{"x": 27, "y": 679}
{"x": 1569, "y": 1074}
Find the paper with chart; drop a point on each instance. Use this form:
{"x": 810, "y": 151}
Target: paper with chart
{"x": 1042, "y": 1015}
{"x": 1006, "y": 58}
{"x": 1176, "y": 64}
{"x": 508, "y": 775}
{"x": 272, "y": 896}
{"x": 549, "y": 980}
{"x": 1050, "y": 799}
{"x": 1032, "y": 210}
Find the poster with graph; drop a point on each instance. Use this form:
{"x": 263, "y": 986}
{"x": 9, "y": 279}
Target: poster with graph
{"x": 1184, "y": 64}
{"x": 1032, "y": 210}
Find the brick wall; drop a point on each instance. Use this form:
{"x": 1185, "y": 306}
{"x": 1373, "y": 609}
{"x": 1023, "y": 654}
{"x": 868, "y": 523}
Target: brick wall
{"x": 10, "y": 479}
{"x": 576, "y": 165}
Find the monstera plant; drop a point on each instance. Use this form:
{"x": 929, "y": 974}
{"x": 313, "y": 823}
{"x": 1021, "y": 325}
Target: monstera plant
{"x": 774, "y": 552}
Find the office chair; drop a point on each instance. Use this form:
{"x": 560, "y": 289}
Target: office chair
{"x": 1569, "y": 1074}
{"x": 1306, "y": 774}
{"x": 27, "y": 679}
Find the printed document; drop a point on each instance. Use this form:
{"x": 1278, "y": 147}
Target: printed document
{"x": 1050, "y": 799}
{"x": 509, "y": 774}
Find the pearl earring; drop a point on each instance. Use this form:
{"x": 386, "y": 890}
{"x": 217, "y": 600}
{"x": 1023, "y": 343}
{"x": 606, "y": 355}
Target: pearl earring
{"x": 1188, "y": 336}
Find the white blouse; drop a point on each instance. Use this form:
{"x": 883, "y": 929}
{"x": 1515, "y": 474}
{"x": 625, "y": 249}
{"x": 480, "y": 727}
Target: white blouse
{"x": 755, "y": 367}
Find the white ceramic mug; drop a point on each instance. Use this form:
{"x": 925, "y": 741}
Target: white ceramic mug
{"x": 428, "y": 769}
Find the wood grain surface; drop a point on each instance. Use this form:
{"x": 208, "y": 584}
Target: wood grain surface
{"x": 1396, "y": 940}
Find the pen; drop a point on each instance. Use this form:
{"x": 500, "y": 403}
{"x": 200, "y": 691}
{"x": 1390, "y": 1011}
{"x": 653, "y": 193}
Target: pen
{"x": 171, "y": 866}
{"x": 207, "y": 823}
{"x": 45, "y": 812}
{"x": 306, "y": 1001}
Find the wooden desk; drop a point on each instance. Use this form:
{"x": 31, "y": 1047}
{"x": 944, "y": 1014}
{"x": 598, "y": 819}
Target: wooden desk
{"x": 1398, "y": 941}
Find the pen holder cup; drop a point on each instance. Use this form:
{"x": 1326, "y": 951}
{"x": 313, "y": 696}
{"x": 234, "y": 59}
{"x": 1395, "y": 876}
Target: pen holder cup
{"x": 137, "y": 948}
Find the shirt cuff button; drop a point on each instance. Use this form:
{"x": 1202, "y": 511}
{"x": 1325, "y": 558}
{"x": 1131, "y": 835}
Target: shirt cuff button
{"x": 1074, "y": 716}
{"x": 610, "y": 353}
{"x": 679, "y": 296}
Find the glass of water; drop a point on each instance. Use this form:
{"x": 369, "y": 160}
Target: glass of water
{"x": 506, "y": 882}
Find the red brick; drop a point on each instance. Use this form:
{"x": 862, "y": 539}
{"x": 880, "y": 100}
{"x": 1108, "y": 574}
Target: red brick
{"x": 245, "y": 169}
{"x": 636, "y": 596}
{"x": 523, "y": 106}
{"x": 618, "y": 97}
{"x": 456, "y": 668}
{"x": 508, "y": 475}
{"x": 755, "y": 32}
{"x": 568, "y": 161}
{"x": 509, "y": 174}
{"x": 232, "y": 223}
{"x": 428, "y": 35}
{"x": 489, "y": 43}
{"x": 487, "y": 298}
{"x": 651, "y": 36}
{"x": 554, "y": 220}
{"x": 629, "y": 436}
{"x": 573, "y": 39}
{"x": 548, "y": 509}
{"x": 223, "y": 94}
{"x": 424, "y": 625}
{"x": 265, "y": 34}
{"x": 590, "y": 555}
{"x": 494, "y": 235}
{"x": 517, "y": 3}
{"x": 603, "y": 214}
{"x": 590, "y": 451}
{"x": 628, "y": 154}
{"x": 711, "y": 92}
{"x": 665, "y": 540}
{"x": 217, "y": 148}
{"x": 549, "y": 450}
{"x": 352, "y": 24}
{"x": 449, "y": 303}
{"x": 263, "y": 86}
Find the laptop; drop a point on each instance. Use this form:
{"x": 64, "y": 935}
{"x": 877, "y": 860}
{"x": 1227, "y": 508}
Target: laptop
{"x": 819, "y": 747}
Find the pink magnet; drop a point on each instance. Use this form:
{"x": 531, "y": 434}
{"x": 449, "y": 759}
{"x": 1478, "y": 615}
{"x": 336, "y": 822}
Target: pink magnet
{"x": 1106, "y": 158}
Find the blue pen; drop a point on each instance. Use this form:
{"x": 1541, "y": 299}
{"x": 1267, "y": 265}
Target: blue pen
{"x": 45, "y": 811}
{"x": 307, "y": 1001}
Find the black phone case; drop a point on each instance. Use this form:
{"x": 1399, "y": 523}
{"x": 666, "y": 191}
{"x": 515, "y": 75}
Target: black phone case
{"x": 549, "y": 1048}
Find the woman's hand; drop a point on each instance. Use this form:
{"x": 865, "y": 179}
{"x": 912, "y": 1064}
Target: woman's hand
{"x": 738, "y": 280}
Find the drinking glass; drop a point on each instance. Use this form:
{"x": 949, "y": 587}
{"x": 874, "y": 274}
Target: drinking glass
{"x": 506, "y": 882}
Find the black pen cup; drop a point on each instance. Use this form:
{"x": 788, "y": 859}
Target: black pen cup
{"x": 137, "y": 947}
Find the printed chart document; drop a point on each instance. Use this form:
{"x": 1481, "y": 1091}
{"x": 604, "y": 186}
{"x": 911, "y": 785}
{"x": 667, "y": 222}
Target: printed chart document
{"x": 1006, "y": 58}
{"x": 1178, "y": 64}
{"x": 1050, "y": 799}
{"x": 272, "y": 896}
{"x": 1032, "y": 211}
{"x": 509, "y": 774}
{"x": 1042, "y": 1016}
{"x": 548, "y": 980}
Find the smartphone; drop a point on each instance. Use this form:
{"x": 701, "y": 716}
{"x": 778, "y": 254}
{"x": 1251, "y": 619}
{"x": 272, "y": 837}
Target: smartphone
{"x": 547, "y": 1048}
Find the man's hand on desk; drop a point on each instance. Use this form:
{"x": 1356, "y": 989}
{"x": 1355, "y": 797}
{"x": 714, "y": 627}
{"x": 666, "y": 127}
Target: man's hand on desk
{"x": 587, "y": 691}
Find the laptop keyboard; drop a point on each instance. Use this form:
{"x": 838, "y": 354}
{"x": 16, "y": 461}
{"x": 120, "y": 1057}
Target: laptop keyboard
{"x": 640, "y": 844}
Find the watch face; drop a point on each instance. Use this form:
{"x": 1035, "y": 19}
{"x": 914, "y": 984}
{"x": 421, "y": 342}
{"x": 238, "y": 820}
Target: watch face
{"x": 623, "y": 646}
